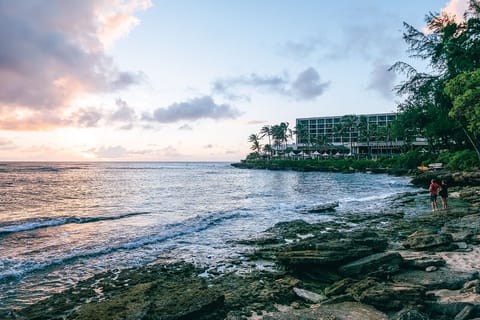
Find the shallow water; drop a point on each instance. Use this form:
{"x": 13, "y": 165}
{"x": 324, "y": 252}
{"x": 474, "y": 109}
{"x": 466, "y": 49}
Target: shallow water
{"x": 63, "y": 222}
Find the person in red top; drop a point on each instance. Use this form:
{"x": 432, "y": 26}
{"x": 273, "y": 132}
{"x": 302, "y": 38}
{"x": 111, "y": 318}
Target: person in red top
{"x": 434, "y": 187}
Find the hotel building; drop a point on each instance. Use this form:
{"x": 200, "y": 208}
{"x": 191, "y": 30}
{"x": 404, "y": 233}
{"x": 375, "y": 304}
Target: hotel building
{"x": 360, "y": 134}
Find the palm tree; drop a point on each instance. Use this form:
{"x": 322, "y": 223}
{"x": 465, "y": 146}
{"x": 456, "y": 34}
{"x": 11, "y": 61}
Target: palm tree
{"x": 346, "y": 125}
{"x": 303, "y": 135}
{"x": 267, "y": 131}
{"x": 364, "y": 132}
{"x": 255, "y": 140}
{"x": 349, "y": 122}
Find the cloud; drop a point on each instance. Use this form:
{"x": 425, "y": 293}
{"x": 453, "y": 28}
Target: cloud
{"x": 456, "y": 8}
{"x": 306, "y": 86}
{"x": 185, "y": 127}
{"x": 88, "y": 117}
{"x": 53, "y": 52}
{"x": 382, "y": 80}
{"x": 110, "y": 152}
{"x": 193, "y": 109}
{"x": 255, "y": 122}
{"x": 301, "y": 49}
{"x": 124, "y": 114}
{"x": 6, "y": 144}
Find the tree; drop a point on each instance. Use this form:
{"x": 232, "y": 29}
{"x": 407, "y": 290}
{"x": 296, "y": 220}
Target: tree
{"x": 280, "y": 133}
{"x": 267, "y": 131}
{"x": 464, "y": 90}
{"x": 303, "y": 135}
{"x": 451, "y": 48}
{"x": 346, "y": 126}
{"x": 255, "y": 140}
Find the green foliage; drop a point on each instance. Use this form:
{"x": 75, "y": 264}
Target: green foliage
{"x": 451, "y": 91}
{"x": 464, "y": 90}
{"x": 462, "y": 160}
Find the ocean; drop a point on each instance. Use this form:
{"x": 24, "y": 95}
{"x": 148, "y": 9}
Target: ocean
{"x": 64, "y": 222}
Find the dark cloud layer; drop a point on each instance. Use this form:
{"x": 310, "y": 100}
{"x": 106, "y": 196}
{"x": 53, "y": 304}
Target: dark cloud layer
{"x": 194, "y": 109}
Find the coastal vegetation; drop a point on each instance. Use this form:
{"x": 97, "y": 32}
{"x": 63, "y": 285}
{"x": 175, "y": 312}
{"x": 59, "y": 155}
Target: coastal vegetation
{"x": 441, "y": 106}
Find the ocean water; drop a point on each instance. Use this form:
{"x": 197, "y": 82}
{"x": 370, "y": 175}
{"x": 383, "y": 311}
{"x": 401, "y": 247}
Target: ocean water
{"x": 64, "y": 222}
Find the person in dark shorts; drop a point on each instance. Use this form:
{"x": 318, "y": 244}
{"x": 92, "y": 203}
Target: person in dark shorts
{"x": 444, "y": 194}
{"x": 433, "y": 189}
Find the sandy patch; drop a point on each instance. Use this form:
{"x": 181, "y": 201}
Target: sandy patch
{"x": 463, "y": 261}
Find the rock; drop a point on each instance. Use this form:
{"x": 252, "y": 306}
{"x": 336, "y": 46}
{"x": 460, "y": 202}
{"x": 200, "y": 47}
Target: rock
{"x": 338, "y": 287}
{"x": 339, "y": 311}
{"x": 464, "y": 228}
{"x": 386, "y": 295}
{"x": 321, "y": 208}
{"x": 431, "y": 269}
{"x": 461, "y": 245}
{"x": 324, "y": 251}
{"x": 427, "y": 240}
{"x": 472, "y": 286}
{"x": 451, "y": 302}
{"x": 309, "y": 295}
{"x": 377, "y": 264}
{"x": 410, "y": 314}
{"x": 420, "y": 260}
{"x": 465, "y": 313}
{"x": 440, "y": 279}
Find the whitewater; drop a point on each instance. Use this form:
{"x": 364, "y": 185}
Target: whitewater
{"x": 64, "y": 222}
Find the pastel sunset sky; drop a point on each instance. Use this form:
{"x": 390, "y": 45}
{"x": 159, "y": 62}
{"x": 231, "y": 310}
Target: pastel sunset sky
{"x": 190, "y": 80}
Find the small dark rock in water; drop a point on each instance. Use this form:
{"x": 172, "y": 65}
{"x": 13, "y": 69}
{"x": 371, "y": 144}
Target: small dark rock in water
{"x": 321, "y": 208}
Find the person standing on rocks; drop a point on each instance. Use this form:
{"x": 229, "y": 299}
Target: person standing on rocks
{"x": 434, "y": 187}
{"x": 443, "y": 194}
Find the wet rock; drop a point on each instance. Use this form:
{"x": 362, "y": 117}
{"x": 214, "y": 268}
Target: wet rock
{"x": 340, "y": 311}
{"x": 324, "y": 251}
{"x": 466, "y": 312}
{"x": 309, "y": 295}
{"x": 321, "y": 208}
{"x": 339, "y": 287}
{"x": 440, "y": 279}
{"x": 410, "y": 313}
{"x": 464, "y": 228}
{"x": 427, "y": 240}
{"x": 378, "y": 264}
{"x": 387, "y": 295}
{"x": 420, "y": 260}
{"x": 452, "y": 302}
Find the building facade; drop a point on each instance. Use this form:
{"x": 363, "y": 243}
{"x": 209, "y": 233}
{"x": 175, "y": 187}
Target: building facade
{"x": 356, "y": 134}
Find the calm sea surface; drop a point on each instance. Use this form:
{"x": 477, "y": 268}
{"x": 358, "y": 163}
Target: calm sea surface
{"x": 63, "y": 222}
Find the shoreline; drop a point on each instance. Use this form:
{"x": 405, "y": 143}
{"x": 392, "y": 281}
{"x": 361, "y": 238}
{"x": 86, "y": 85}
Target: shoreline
{"x": 284, "y": 286}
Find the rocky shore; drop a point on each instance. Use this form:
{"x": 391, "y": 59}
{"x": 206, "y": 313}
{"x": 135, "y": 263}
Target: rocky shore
{"x": 379, "y": 265}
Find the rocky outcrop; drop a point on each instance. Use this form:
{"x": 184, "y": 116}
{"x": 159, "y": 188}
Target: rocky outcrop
{"x": 387, "y": 295}
{"x": 379, "y": 264}
{"x": 429, "y": 240}
{"x": 420, "y": 260}
{"x": 356, "y": 267}
{"x": 339, "y": 311}
{"x": 331, "y": 250}
{"x": 442, "y": 278}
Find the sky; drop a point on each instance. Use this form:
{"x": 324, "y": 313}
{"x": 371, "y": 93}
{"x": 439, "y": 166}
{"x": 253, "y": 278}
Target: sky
{"x": 189, "y": 80}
